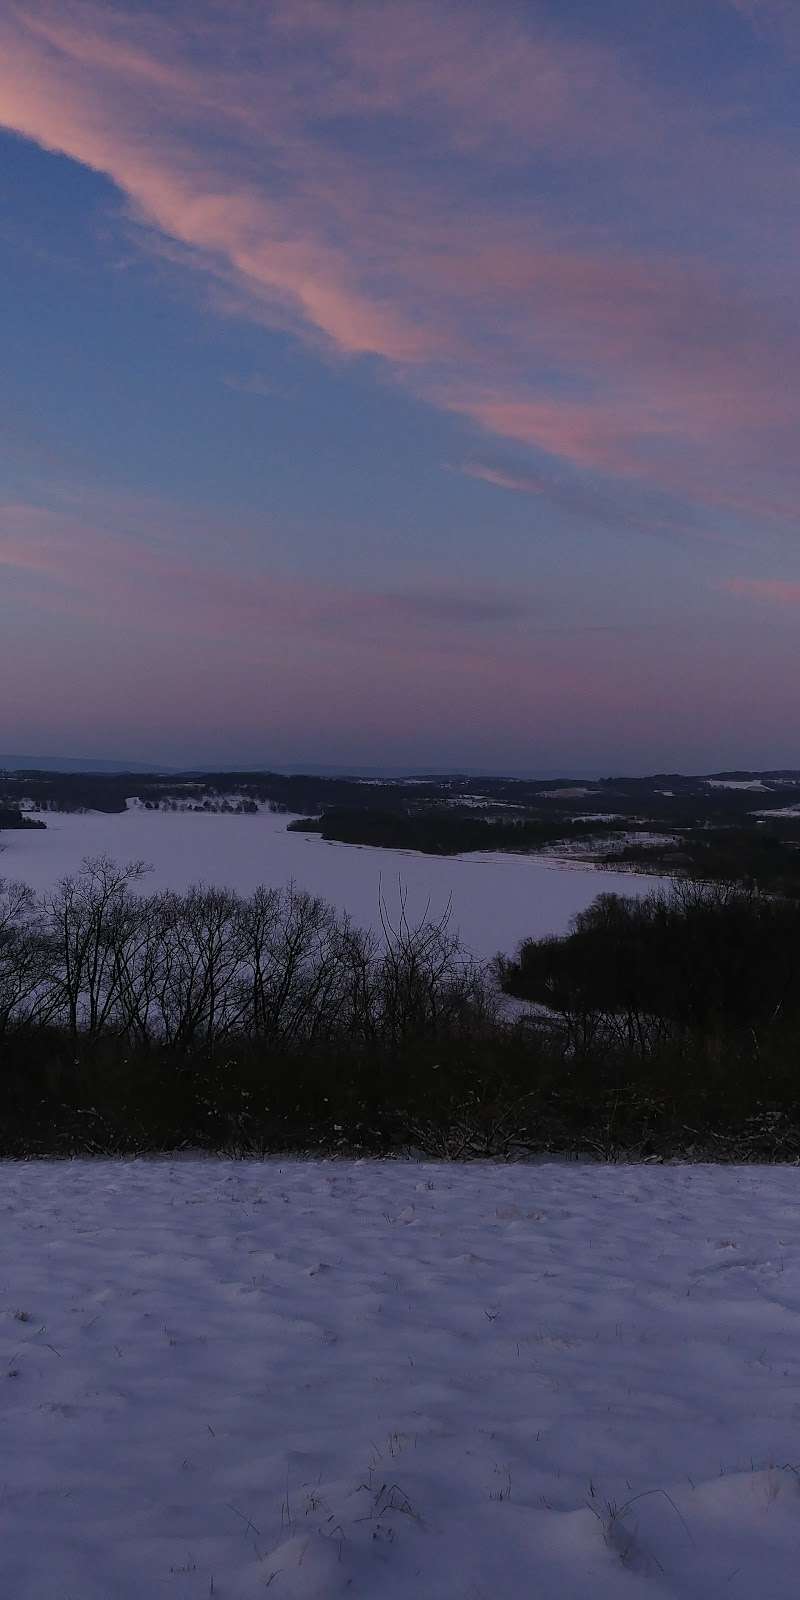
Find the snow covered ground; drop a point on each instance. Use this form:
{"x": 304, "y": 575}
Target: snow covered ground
{"x": 735, "y": 783}
{"x": 497, "y": 899}
{"x": 533, "y": 1382}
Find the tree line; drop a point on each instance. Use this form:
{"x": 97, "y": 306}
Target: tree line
{"x": 12, "y": 817}
{"x": 97, "y": 958}
{"x": 140, "y": 1020}
{"x": 169, "y": 1017}
{"x": 445, "y": 832}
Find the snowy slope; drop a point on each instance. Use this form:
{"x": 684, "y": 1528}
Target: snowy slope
{"x": 392, "y": 1380}
{"x": 496, "y": 899}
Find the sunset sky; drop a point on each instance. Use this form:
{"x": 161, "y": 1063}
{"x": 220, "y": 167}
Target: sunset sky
{"x": 408, "y": 383}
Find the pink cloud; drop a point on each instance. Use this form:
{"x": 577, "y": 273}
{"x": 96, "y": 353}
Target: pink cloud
{"x": 777, "y": 591}
{"x": 90, "y": 107}
{"x": 127, "y": 632}
{"x": 74, "y": 568}
{"x": 673, "y": 372}
{"x": 517, "y": 483}
{"x": 594, "y": 506}
{"x": 180, "y": 697}
{"x": 229, "y": 130}
{"x": 480, "y": 75}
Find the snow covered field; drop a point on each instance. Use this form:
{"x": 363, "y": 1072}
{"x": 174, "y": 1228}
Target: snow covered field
{"x": 393, "y": 1380}
{"x": 496, "y": 899}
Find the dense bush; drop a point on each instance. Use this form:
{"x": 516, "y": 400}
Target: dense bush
{"x": 698, "y": 961}
{"x": 12, "y": 817}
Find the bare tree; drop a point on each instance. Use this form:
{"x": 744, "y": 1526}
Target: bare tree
{"x": 83, "y": 920}
{"x": 24, "y": 962}
{"x": 427, "y": 981}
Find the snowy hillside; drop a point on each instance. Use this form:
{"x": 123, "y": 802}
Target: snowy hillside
{"x": 386, "y": 1380}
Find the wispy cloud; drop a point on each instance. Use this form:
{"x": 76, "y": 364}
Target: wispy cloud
{"x": 614, "y": 505}
{"x": 516, "y": 482}
{"x": 776, "y": 591}
{"x": 81, "y": 568}
{"x": 386, "y": 180}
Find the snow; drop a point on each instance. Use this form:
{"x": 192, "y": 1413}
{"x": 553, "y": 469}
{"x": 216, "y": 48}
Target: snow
{"x": 570, "y": 793}
{"x": 479, "y": 802}
{"x": 497, "y": 899}
{"x": 596, "y": 816}
{"x": 382, "y": 1380}
{"x": 578, "y": 849}
{"x": 736, "y": 783}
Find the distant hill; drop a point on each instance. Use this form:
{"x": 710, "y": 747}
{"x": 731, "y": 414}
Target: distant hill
{"x": 12, "y": 763}
{"x": 77, "y": 764}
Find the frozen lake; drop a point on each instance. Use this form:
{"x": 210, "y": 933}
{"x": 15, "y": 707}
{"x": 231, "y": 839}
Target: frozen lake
{"x": 496, "y": 899}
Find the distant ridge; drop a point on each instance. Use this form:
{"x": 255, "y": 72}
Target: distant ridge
{"x": 77, "y": 764}
{"x": 388, "y": 774}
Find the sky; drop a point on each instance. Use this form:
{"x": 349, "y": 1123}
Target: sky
{"x": 405, "y": 384}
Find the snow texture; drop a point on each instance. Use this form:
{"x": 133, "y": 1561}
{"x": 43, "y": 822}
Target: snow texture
{"x": 387, "y": 1380}
{"x": 497, "y": 899}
